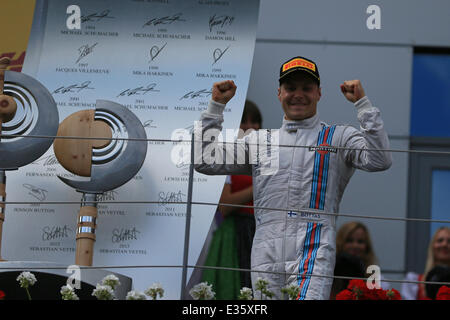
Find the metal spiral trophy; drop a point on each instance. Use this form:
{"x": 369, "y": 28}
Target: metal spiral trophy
{"x": 26, "y": 109}
{"x": 110, "y": 161}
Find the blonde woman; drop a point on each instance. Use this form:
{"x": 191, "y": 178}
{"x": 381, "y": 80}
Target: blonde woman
{"x": 438, "y": 254}
{"x": 354, "y": 238}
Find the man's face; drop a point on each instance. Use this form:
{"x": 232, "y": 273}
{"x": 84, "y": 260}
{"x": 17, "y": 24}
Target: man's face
{"x": 299, "y": 95}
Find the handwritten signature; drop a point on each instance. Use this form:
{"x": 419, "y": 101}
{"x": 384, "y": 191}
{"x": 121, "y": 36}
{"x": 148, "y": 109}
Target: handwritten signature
{"x": 196, "y": 94}
{"x": 84, "y": 50}
{"x": 124, "y": 235}
{"x": 154, "y": 51}
{"x": 36, "y": 192}
{"x": 139, "y": 90}
{"x": 220, "y": 21}
{"x": 107, "y": 196}
{"x": 57, "y": 232}
{"x": 74, "y": 88}
{"x": 47, "y": 161}
{"x": 164, "y": 20}
{"x": 182, "y": 163}
{"x": 218, "y": 53}
{"x": 97, "y": 16}
{"x": 149, "y": 124}
{"x": 170, "y": 197}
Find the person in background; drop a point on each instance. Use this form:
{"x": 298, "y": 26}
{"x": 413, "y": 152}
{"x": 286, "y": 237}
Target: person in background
{"x": 232, "y": 242}
{"x": 438, "y": 254}
{"x": 347, "y": 265}
{"x": 439, "y": 273}
{"x": 354, "y": 238}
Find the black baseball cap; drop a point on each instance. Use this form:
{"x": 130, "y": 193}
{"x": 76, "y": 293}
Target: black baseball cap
{"x": 298, "y": 64}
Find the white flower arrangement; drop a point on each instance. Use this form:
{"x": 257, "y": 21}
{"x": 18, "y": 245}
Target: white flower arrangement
{"x": 292, "y": 291}
{"x": 135, "y": 295}
{"x": 261, "y": 286}
{"x": 111, "y": 280}
{"x": 202, "y": 291}
{"x": 68, "y": 293}
{"x": 103, "y": 292}
{"x": 26, "y": 280}
{"x": 155, "y": 290}
{"x": 246, "y": 294}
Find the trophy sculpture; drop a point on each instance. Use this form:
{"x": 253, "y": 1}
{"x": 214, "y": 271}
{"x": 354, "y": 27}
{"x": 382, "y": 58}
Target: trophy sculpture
{"x": 110, "y": 161}
{"x": 26, "y": 109}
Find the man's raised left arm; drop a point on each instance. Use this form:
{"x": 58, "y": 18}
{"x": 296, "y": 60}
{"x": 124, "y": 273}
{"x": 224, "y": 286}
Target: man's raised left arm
{"x": 365, "y": 148}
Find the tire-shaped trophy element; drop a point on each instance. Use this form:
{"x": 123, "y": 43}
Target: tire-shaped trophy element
{"x": 110, "y": 161}
{"x": 26, "y": 109}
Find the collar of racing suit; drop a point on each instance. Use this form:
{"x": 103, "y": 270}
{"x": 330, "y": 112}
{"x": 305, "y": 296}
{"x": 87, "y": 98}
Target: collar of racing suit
{"x": 292, "y": 125}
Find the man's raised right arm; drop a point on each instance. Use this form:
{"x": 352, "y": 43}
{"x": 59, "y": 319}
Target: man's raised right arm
{"x": 215, "y": 158}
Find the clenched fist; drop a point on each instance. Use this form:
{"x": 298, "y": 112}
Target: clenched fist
{"x": 223, "y": 91}
{"x": 352, "y": 90}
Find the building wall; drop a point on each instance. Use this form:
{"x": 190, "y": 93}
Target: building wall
{"x": 336, "y": 36}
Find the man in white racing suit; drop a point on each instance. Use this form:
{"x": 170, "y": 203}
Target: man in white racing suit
{"x": 291, "y": 245}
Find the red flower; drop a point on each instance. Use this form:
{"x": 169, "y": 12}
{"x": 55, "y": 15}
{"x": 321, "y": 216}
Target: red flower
{"x": 443, "y": 293}
{"x": 345, "y": 295}
{"x": 377, "y": 294}
{"x": 2, "y": 295}
{"x": 362, "y": 292}
{"x": 358, "y": 290}
{"x": 356, "y": 283}
{"x": 393, "y": 294}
